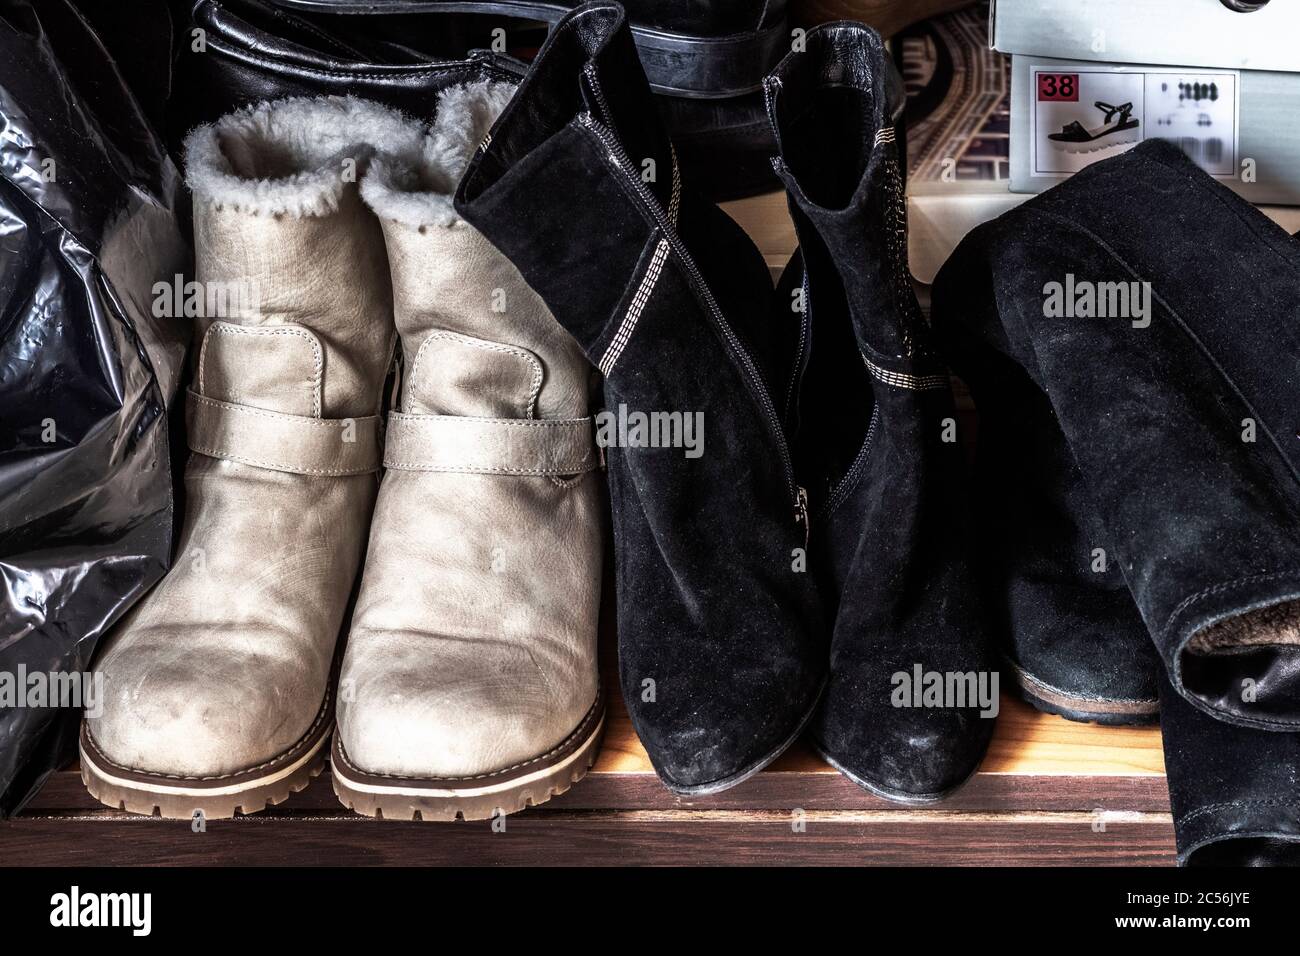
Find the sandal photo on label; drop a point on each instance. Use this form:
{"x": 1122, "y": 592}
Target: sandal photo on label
{"x": 1118, "y": 127}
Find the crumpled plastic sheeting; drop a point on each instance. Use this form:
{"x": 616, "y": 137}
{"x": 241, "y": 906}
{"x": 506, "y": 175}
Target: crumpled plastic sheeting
{"x": 88, "y": 225}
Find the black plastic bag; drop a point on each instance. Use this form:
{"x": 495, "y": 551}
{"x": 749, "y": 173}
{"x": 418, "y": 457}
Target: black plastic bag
{"x": 88, "y": 227}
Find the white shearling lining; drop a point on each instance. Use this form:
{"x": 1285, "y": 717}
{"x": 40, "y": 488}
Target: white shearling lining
{"x": 415, "y": 187}
{"x": 288, "y": 157}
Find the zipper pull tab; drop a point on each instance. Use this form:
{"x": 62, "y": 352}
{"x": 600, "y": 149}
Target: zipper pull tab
{"x": 801, "y": 515}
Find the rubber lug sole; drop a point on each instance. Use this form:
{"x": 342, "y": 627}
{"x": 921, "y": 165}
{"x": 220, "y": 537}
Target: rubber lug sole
{"x": 390, "y": 797}
{"x": 214, "y": 798}
{"x": 1084, "y": 710}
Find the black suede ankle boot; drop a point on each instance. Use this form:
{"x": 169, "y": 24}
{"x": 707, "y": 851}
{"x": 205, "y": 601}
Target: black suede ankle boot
{"x": 722, "y": 651}
{"x": 1130, "y": 340}
{"x": 910, "y": 702}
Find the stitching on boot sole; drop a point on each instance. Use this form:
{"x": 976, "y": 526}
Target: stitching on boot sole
{"x": 1030, "y": 682}
{"x": 592, "y": 715}
{"x": 279, "y": 758}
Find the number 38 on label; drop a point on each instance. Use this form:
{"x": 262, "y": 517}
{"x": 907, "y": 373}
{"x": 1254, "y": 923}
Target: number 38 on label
{"x": 1058, "y": 87}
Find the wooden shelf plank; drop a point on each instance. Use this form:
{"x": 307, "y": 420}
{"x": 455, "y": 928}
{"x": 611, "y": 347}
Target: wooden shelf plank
{"x": 586, "y": 839}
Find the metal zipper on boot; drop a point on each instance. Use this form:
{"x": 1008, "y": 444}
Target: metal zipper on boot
{"x": 800, "y": 356}
{"x": 850, "y": 478}
{"x": 801, "y": 514}
{"x": 623, "y": 163}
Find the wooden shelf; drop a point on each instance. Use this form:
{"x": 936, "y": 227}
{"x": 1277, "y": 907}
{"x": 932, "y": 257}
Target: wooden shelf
{"x": 1049, "y": 791}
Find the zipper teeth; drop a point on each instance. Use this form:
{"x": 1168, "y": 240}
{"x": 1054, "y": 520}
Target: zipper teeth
{"x": 675, "y": 199}
{"x": 842, "y": 489}
{"x": 803, "y": 341}
{"x": 619, "y": 155}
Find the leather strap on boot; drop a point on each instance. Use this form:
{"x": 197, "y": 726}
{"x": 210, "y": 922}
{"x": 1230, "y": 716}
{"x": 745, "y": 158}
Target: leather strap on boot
{"x": 297, "y": 444}
{"x": 491, "y": 446}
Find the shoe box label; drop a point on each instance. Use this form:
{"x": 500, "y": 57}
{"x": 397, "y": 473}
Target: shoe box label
{"x": 1082, "y": 113}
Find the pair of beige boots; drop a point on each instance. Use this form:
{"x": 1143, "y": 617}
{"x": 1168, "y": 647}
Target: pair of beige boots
{"x": 469, "y": 686}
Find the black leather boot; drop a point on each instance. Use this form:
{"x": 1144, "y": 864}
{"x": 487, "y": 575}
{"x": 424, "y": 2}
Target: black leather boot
{"x": 250, "y": 51}
{"x": 256, "y": 50}
{"x": 705, "y": 49}
{"x": 721, "y": 633}
{"x": 1130, "y": 340}
{"x": 912, "y": 696}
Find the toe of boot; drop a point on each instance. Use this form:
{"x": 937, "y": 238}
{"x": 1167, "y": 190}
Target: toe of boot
{"x": 175, "y": 706}
{"x": 424, "y": 707}
{"x": 1106, "y": 680}
{"x": 907, "y": 755}
{"x": 705, "y": 733}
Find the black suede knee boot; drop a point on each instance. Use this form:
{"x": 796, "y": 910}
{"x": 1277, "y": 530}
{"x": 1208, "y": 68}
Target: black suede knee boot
{"x": 1130, "y": 338}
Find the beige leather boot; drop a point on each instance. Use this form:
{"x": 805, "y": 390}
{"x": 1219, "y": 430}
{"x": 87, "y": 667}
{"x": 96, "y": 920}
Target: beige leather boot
{"x": 217, "y": 686}
{"x": 470, "y": 684}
